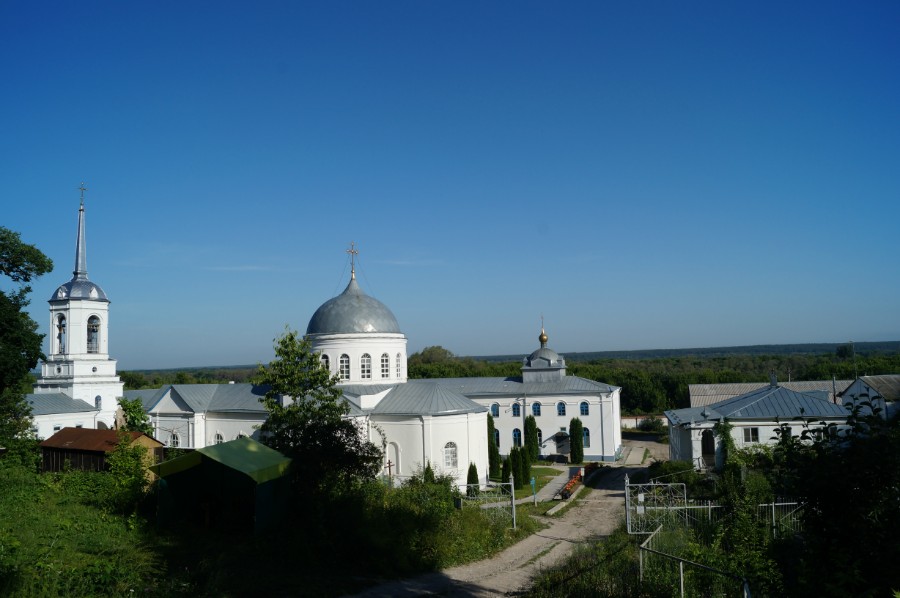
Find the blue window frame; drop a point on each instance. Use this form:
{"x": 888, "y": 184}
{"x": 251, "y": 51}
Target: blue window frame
{"x": 560, "y": 408}
{"x": 495, "y": 410}
{"x": 585, "y": 410}
{"x": 517, "y": 437}
{"x": 586, "y": 437}
{"x": 517, "y": 410}
{"x": 536, "y": 409}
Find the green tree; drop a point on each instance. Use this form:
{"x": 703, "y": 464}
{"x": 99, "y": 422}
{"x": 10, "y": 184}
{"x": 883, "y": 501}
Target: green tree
{"x": 507, "y": 469}
{"x": 493, "y": 449}
{"x": 127, "y": 466}
{"x": 576, "y": 441}
{"x": 472, "y": 480}
{"x": 308, "y": 420}
{"x": 20, "y": 343}
{"x": 136, "y": 419}
{"x": 532, "y": 448}
{"x": 428, "y": 355}
{"x": 515, "y": 466}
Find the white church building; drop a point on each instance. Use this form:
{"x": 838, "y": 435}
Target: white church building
{"x": 438, "y": 421}
{"x": 78, "y": 386}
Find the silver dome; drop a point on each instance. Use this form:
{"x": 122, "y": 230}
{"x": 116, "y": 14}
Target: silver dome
{"x": 544, "y": 357}
{"x": 79, "y": 288}
{"x": 351, "y": 312}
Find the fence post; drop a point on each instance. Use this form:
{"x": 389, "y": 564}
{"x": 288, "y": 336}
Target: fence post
{"x": 627, "y": 506}
{"x": 641, "y": 555}
{"x": 681, "y": 576}
{"x": 512, "y": 497}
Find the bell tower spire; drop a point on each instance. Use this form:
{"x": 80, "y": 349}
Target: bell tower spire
{"x": 80, "y": 272}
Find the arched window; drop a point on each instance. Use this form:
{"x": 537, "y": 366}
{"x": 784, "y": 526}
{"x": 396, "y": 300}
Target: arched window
{"x": 241, "y": 435}
{"x": 497, "y": 437}
{"x": 326, "y": 363}
{"x": 517, "y": 410}
{"x": 365, "y": 366}
{"x": 98, "y": 402}
{"x": 536, "y": 409}
{"x": 398, "y": 365}
{"x": 517, "y": 437}
{"x": 60, "y": 333}
{"x": 345, "y": 367}
{"x": 560, "y": 408}
{"x": 174, "y": 441}
{"x": 540, "y": 437}
{"x": 93, "y": 335}
{"x": 586, "y": 437}
{"x": 219, "y": 438}
{"x": 450, "y": 461}
{"x": 585, "y": 410}
{"x": 495, "y": 410}
{"x": 385, "y": 365}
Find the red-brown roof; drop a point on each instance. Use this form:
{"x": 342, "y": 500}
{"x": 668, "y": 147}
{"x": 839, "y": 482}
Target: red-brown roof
{"x": 87, "y": 439}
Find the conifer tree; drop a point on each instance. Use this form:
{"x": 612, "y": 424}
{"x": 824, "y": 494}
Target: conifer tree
{"x": 493, "y": 449}
{"x": 532, "y": 448}
{"x": 472, "y": 480}
{"x": 576, "y": 441}
{"x": 507, "y": 467}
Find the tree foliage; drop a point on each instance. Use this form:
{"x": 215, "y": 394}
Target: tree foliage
{"x": 307, "y": 420}
{"x": 576, "y": 441}
{"x": 472, "y": 480}
{"x": 20, "y": 343}
{"x": 493, "y": 449}
{"x": 532, "y": 448}
{"x": 136, "y": 419}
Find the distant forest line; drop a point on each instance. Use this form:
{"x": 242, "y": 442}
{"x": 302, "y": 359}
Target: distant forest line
{"x": 651, "y": 380}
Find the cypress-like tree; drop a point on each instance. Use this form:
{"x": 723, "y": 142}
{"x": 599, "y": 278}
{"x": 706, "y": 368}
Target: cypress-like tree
{"x": 532, "y": 448}
{"x": 428, "y": 473}
{"x": 526, "y": 467}
{"x": 504, "y": 476}
{"x": 576, "y": 441}
{"x": 472, "y": 480}
{"x": 515, "y": 465}
{"x": 493, "y": 450}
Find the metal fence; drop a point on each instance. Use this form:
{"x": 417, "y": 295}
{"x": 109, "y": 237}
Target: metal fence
{"x": 663, "y": 512}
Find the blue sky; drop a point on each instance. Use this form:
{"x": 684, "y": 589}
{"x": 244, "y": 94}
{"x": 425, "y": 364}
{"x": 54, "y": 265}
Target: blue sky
{"x": 645, "y": 175}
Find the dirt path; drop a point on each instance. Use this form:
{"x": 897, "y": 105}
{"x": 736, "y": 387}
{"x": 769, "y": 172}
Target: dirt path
{"x": 597, "y": 512}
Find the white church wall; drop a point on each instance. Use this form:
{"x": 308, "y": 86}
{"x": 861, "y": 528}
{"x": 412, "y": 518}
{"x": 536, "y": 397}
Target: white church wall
{"x": 46, "y": 426}
{"x": 355, "y": 345}
{"x": 230, "y": 426}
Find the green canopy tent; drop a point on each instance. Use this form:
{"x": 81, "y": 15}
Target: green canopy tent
{"x": 239, "y": 485}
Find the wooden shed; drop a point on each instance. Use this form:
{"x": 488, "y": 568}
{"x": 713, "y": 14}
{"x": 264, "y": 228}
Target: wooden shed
{"x": 86, "y": 449}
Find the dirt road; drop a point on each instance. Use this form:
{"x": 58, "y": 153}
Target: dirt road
{"x": 596, "y": 513}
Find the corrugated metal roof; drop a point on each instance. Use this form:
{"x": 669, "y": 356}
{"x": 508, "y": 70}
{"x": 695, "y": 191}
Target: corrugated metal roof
{"x": 766, "y": 403}
{"x": 202, "y": 398}
{"x": 56, "y": 402}
{"x": 86, "y": 439}
{"x": 425, "y": 397}
{"x": 888, "y": 386}
{"x": 514, "y": 385}
{"x": 708, "y": 394}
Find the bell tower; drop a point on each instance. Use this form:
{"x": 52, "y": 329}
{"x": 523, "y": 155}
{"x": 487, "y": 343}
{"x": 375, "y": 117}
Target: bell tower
{"x": 78, "y": 362}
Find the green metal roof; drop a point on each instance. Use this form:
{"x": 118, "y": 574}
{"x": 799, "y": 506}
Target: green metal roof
{"x": 255, "y": 460}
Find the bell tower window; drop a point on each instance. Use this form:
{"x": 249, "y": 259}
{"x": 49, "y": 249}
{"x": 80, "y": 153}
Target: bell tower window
{"x": 385, "y": 366}
{"x": 60, "y": 334}
{"x": 93, "y": 335}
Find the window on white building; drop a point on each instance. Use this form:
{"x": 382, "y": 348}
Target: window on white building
{"x": 540, "y": 437}
{"x": 497, "y": 437}
{"x": 326, "y": 363}
{"x": 219, "y": 438}
{"x": 751, "y": 435}
{"x": 174, "y": 441}
{"x": 495, "y": 410}
{"x": 517, "y": 410}
{"x": 585, "y": 410}
{"x": 98, "y": 402}
{"x": 586, "y": 438}
{"x": 536, "y": 409}
{"x": 517, "y": 437}
{"x": 385, "y": 365}
{"x": 345, "y": 367}
{"x": 450, "y": 460}
{"x": 398, "y": 365}
{"x": 365, "y": 366}
{"x": 93, "y": 335}
{"x": 560, "y": 408}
